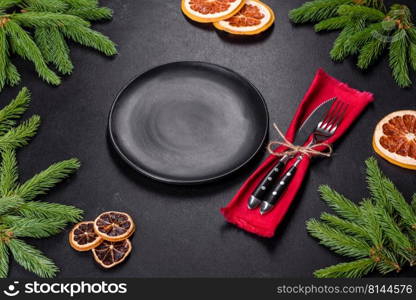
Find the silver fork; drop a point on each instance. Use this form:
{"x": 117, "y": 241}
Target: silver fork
{"x": 323, "y": 131}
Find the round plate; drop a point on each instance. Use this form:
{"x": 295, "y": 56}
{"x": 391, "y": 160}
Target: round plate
{"x": 188, "y": 122}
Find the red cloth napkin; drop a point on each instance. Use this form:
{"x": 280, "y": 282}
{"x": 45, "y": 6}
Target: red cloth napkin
{"x": 322, "y": 88}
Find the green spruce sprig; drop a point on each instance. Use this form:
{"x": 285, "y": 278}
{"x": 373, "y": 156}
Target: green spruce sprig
{"x": 379, "y": 233}
{"x": 37, "y": 30}
{"x": 21, "y": 216}
{"x": 367, "y": 31}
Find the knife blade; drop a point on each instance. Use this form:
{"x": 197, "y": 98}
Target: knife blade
{"x": 303, "y": 133}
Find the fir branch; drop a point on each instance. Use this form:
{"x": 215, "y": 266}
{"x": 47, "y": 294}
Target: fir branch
{"x": 32, "y": 259}
{"x": 340, "y": 49}
{"x": 19, "y": 136}
{"x": 413, "y": 203}
{"x": 5, "y": 4}
{"x": 45, "y": 180}
{"x": 81, "y": 3}
{"x": 334, "y": 23}
{"x": 13, "y": 76}
{"x": 3, "y": 57}
{"x": 343, "y": 206}
{"x": 37, "y": 209}
{"x": 412, "y": 55}
{"x": 90, "y": 38}
{"x": 354, "y": 269}
{"x": 15, "y": 109}
{"x": 44, "y": 5}
{"x": 8, "y": 203}
{"x": 317, "y": 10}
{"x": 398, "y": 58}
{"x": 91, "y": 13}
{"x": 359, "y": 39}
{"x": 54, "y": 48}
{"x": 33, "y": 227}
{"x": 361, "y": 12}
{"x": 375, "y": 184}
{"x": 346, "y": 226}
{"x": 47, "y": 19}
{"x": 25, "y": 47}
{"x": 370, "y": 52}
{"x": 338, "y": 241}
{"x": 4, "y": 260}
{"x": 371, "y": 223}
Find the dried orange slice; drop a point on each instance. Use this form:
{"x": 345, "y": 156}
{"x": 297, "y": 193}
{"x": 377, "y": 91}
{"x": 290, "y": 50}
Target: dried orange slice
{"x": 108, "y": 254}
{"x": 255, "y": 17}
{"x": 395, "y": 138}
{"x": 114, "y": 226}
{"x": 207, "y": 11}
{"x": 83, "y": 237}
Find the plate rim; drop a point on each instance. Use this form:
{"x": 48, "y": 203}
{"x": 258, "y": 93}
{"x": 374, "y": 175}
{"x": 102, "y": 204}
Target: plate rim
{"x": 186, "y": 182}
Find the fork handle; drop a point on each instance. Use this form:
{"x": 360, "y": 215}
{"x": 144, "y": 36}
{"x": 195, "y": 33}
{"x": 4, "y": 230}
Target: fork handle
{"x": 265, "y": 186}
{"x": 282, "y": 185}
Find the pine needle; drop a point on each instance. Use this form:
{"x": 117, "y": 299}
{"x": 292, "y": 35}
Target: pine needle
{"x": 370, "y": 52}
{"x": 340, "y": 49}
{"x": 4, "y": 260}
{"x": 338, "y": 241}
{"x": 44, "y": 5}
{"x": 346, "y": 226}
{"x": 37, "y": 209}
{"x": 32, "y": 259}
{"x": 4, "y": 4}
{"x": 47, "y": 19}
{"x": 3, "y": 57}
{"x": 333, "y": 23}
{"x": 15, "y": 109}
{"x": 45, "y": 180}
{"x": 354, "y": 269}
{"x": 91, "y": 13}
{"x": 361, "y": 12}
{"x": 34, "y": 227}
{"x": 315, "y": 11}
{"x": 398, "y": 58}
{"x": 19, "y": 136}
{"x": 90, "y": 38}
{"x": 8, "y": 203}
{"x": 13, "y": 76}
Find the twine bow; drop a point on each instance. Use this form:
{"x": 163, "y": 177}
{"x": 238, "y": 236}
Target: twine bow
{"x": 294, "y": 149}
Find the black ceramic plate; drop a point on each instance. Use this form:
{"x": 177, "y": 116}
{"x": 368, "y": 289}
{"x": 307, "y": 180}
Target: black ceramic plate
{"x": 188, "y": 122}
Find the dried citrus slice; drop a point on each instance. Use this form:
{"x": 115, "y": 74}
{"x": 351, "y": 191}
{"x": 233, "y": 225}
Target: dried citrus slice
{"x": 108, "y": 254}
{"x": 207, "y": 11}
{"x": 83, "y": 237}
{"x": 114, "y": 226}
{"x": 255, "y": 17}
{"x": 395, "y": 138}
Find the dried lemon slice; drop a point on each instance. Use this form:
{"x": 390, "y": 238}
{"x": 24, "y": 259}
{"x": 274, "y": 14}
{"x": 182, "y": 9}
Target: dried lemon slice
{"x": 207, "y": 11}
{"x": 108, "y": 254}
{"x": 83, "y": 237}
{"x": 114, "y": 226}
{"x": 254, "y": 18}
{"x": 395, "y": 138}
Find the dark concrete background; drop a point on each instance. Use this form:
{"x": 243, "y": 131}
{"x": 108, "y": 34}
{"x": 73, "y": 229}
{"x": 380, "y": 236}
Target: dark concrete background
{"x": 180, "y": 232}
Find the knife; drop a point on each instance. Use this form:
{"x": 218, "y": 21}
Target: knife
{"x": 303, "y": 133}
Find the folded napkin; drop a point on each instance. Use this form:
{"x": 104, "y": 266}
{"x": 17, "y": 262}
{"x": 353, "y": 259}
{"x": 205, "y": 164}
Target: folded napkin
{"x": 322, "y": 88}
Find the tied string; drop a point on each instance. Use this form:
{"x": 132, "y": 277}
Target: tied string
{"x": 294, "y": 149}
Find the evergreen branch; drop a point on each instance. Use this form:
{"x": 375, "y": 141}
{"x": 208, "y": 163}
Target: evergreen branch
{"x": 13, "y": 76}
{"x": 45, "y": 180}
{"x": 54, "y": 48}
{"x": 15, "y": 109}
{"x": 346, "y": 226}
{"x": 362, "y": 12}
{"x": 371, "y": 223}
{"x": 48, "y": 19}
{"x": 338, "y": 241}
{"x": 32, "y": 259}
{"x": 398, "y": 58}
{"x": 33, "y": 227}
{"x": 354, "y": 269}
{"x": 3, "y": 57}
{"x": 44, "y": 5}
{"x": 344, "y": 207}
{"x": 5, "y": 4}
{"x": 8, "y": 203}
{"x": 361, "y": 38}
{"x": 370, "y": 52}
{"x": 316, "y": 11}
{"x": 91, "y": 13}
{"x": 333, "y": 23}
{"x": 340, "y": 49}
{"x": 413, "y": 203}
{"x": 377, "y": 189}
{"x": 19, "y": 136}
{"x": 25, "y": 47}
{"x": 81, "y": 3}
{"x": 37, "y": 209}
{"x": 90, "y": 38}
{"x": 412, "y": 55}
{"x": 4, "y": 260}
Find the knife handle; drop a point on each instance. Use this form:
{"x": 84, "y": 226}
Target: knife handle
{"x": 265, "y": 186}
{"x": 282, "y": 185}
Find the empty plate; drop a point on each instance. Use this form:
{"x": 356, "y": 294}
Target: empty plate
{"x": 188, "y": 122}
